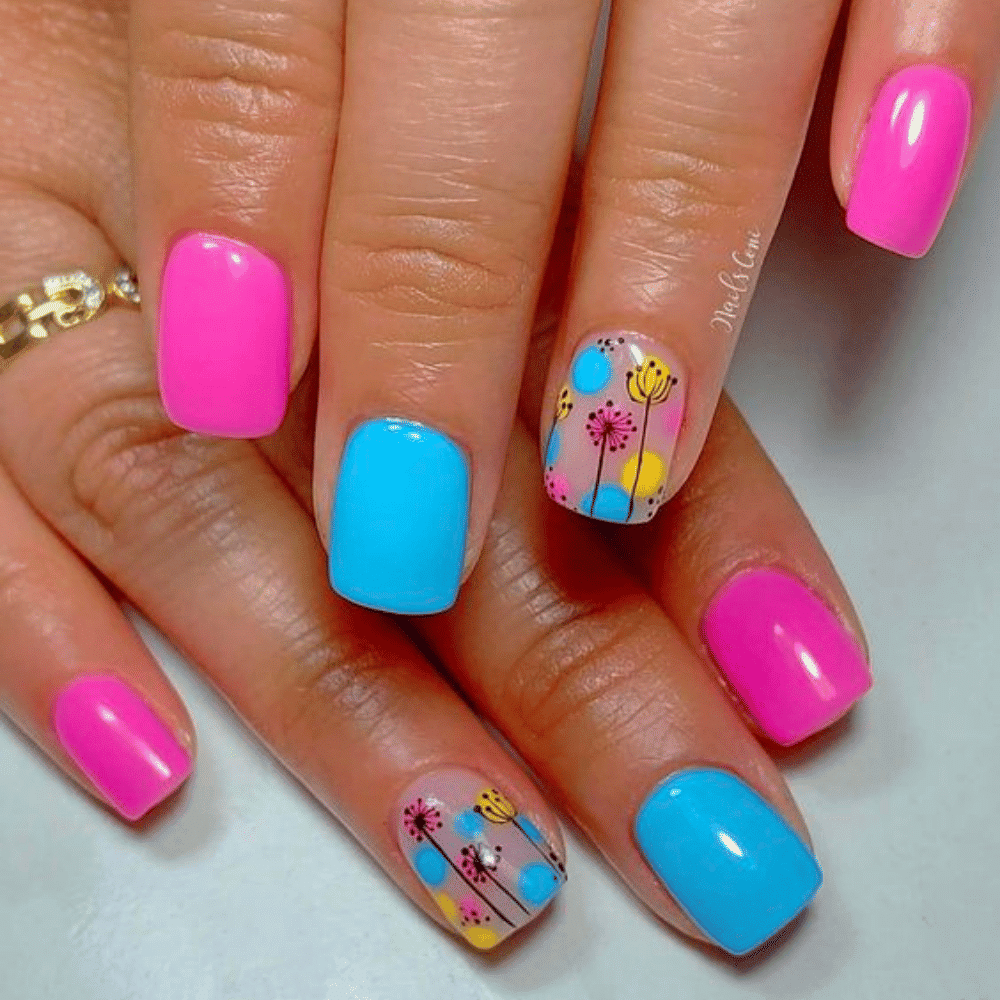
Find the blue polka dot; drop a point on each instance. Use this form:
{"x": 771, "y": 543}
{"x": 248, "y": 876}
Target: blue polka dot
{"x": 531, "y": 831}
{"x": 431, "y": 867}
{"x": 611, "y": 503}
{"x": 469, "y": 825}
{"x": 537, "y": 883}
{"x": 555, "y": 443}
{"x": 592, "y": 371}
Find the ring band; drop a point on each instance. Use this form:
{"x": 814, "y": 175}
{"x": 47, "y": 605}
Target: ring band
{"x": 61, "y": 302}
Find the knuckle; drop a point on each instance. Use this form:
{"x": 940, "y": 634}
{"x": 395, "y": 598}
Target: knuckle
{"x": 135, "y": 483}
{"x": 431, "y": 262}
{"x": 338, "y": 677}
{"x": 594, "y": 671}
{"x": 245, "y": 72}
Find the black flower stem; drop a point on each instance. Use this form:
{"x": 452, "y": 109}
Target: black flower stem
{"x": 461, "y": 875}
{"x": 600, "y": 466}
{"x": 545, "y": 857}
{"x": 511, "y": 897}
{"x": 638, "y": 464}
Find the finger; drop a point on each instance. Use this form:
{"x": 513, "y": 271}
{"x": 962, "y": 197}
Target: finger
{"x": 457, "y": 124}
{"x": 913, "y": 98}
{"x": 234, "y": 110}
{"x": 581, "y": 669}
{"x": 74, "y": 676}
{"x": 702, "y": 115}
{"x": 207, "y": 541}
{"x": 739, "y": 570}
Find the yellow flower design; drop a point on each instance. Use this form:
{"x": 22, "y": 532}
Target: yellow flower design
{"x": 563, "y": 404}
{"x": 650, "y": 382}
{"x": 495, "y": 807}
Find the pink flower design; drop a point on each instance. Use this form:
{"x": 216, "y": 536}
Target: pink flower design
{"x": 611, "y": 427}
{"x": 479, "y": 862}
{"x": 421, "y": 818}
{"x": 472, "y": 911}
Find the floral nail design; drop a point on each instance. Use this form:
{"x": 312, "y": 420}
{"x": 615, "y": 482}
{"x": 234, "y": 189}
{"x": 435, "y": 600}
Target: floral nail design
{"x": 624, "y": 398}
{"x": 487, "y": 866}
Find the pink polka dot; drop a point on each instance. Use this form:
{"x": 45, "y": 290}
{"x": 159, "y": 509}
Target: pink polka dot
{"x": 670, "y": 420}
{"x": 557, "y": 486}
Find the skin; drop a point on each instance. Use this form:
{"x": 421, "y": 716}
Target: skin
{"x": 595, "y": 674}
{"x": 404, "y": 162}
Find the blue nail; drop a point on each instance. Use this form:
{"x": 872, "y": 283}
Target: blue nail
{"x": 737, "y": 869}
{"x": 399, "y": 518}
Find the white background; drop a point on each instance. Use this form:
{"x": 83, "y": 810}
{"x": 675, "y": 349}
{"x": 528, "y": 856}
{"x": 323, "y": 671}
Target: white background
{"x": 874, "y": 383}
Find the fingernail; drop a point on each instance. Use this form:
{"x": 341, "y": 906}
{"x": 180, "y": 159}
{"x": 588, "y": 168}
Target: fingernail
{"x": 731, "y": 862}
{"x": 785, "y": 653}
{"x": 399, "y": 518}
{"x": 119, "y": 743}
{"x": 614, "y": 427}
{"x": 487, "y": 865}
{"x": 224, "y": 338}
{"x": 911, "y": 160}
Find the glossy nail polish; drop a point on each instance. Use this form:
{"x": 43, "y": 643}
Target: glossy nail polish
{"x": 488, "y": 866}
{"x": 224, "y": 338}
{"x": 785, "y": 653}
{"x": 731, "y": 862}
{"x": 911, "y": 159}
{"x": 613, "y": 429}
{"x": 399, "y": 518}
{"x": 119, "y": 743}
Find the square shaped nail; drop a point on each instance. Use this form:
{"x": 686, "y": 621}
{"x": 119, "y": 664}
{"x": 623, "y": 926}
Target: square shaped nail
{"x": 486, "y": 865}
{"x": 119, "y": 743}
{"x": 613, "y": 428}
{"x": 731, "y": 862}
{"x": 787, "y": 656}
{"x": 399, "y": 518}
{"x": 911, "y": 159}
{"x": 224, "y": 338}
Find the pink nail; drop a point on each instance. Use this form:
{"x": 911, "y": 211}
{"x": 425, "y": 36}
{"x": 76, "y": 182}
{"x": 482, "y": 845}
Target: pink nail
{"x": 792, "y": 663}
{"x": 117, "y": 741}
{"x": 911, "y": 161}
{"x": 224, "y": 338}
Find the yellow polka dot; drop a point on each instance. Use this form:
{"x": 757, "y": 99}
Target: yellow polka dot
{"x": 650, "y": 475}
{"x": 447, "y": 904}
{"x": 482, "y": 937}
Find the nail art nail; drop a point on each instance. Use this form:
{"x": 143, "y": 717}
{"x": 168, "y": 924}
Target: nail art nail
{"x": 119, "y": 743}
{"x": 786, "y": 654}
{"x": 487, "y": 866}
{"x": 731, "y": 862}
{"x": 224, "y": 338}
{"x": 614, "y": 427}
{"x": 399, "y": 518}
{"x": 911, "y": 160}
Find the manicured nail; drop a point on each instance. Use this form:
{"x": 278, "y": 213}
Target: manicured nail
{"x": 399, "y": 518}
{"x": 614, "y": 426}
{"x": 488, "y": 867}
{"x": 224, "y": 338}
{"x": 734, "y": 865}
{"x": 786, "y": 654}
{"x": 911, "y": 159}
{"x": 119, "y": 743}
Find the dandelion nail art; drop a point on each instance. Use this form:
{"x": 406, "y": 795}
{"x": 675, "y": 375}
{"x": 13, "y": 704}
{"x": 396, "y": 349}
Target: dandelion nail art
{"x": 614, "y": 428}
{"x": 487, "y": 866}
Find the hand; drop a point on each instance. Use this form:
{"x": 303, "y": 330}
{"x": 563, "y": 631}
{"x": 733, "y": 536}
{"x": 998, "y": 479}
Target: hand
{"x": 390, "y": 173}
{"x": 602, "y": 682}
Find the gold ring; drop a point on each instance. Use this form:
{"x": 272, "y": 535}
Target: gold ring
{"x": 61, "y": 302}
